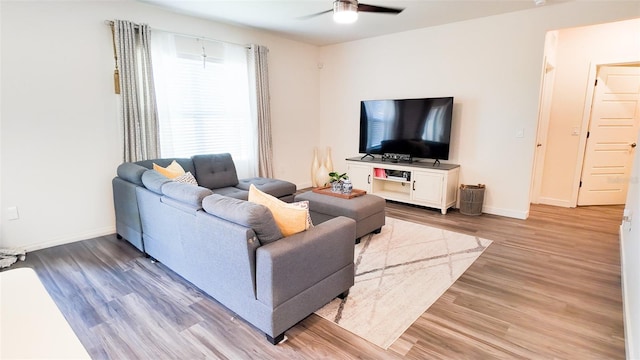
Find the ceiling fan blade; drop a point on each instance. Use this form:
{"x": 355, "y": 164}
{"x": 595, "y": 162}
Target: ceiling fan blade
{"x": 378, "y": 9}
{"x": 314, "y": 15}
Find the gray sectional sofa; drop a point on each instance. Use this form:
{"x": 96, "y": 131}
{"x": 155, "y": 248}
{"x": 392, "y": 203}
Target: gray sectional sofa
{"x": 232, "y": 249}
{"x": 216, "y": 172}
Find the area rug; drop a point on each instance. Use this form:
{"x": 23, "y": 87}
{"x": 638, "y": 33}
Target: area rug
{"x": 400, "y": 273}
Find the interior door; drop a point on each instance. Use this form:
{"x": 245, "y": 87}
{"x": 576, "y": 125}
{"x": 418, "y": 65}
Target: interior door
{"x": 613, "y": 130}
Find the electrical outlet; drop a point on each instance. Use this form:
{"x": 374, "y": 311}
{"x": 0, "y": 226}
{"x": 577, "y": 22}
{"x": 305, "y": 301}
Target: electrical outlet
{"x": 520, "y": 133}
{"x": 12, "y": 213}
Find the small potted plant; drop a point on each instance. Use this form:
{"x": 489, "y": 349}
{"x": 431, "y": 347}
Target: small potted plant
{"x": 336, "y": 181}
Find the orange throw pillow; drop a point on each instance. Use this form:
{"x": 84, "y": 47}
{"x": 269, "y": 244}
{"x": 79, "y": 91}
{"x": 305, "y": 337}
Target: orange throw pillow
{"x": 291, "y": 219}
{"x": 172, "y": 171}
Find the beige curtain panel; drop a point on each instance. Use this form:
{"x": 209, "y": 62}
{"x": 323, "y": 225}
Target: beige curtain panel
{"x": 139, "y": 112}
{"x": 258, "y": 59}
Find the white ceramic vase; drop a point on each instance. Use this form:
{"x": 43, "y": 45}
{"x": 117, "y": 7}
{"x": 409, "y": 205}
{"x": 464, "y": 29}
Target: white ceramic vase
{"x": 322, "y": 176}
{"x": 329, "y": 161}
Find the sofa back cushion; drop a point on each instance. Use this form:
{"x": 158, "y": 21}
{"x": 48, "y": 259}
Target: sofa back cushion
{"x": 251, "y": 215}
{"x": 185, "y": 163}
{"x": 215, "y": 170}
{"x": 131, "y": 172}
{"x": 186, "y": 193}
{"x": 153, "y": 181}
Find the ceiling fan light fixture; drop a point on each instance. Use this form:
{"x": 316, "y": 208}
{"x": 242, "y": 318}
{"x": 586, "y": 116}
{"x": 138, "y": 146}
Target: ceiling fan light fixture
{"x": 345, "y": 12}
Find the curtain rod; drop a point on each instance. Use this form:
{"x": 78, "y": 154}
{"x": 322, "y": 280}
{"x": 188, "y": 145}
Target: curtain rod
{"x": 110, "y": 23}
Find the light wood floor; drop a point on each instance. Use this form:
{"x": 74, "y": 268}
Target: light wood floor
{"x": 547, "y": 288}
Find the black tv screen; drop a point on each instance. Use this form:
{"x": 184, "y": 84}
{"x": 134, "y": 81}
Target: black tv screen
{"x": 420, "y": 128}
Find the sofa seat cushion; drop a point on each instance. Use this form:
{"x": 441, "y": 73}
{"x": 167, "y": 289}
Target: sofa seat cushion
{"x": 357, "y": 208}
{"x": 274, "y": 187}
{"x": 215, "y": 171}
{"x": 367, "y": 210}
{"x": 186, "y": 193}
{"x": 233, "y": 192}
{"x": 248, "y": 214}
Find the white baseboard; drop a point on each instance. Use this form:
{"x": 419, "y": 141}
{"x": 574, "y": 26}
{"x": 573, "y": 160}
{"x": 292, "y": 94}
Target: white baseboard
{"x": 304, "y": 185}
{"x": 523, "y": 215}
{"x": 555, "y": 202}
{"x": 72, "y": 238}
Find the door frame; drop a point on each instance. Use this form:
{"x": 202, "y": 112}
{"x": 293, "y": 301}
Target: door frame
{"x": 544, "y": 117}
{"x": 545, "y": 98}
{"x": 594, "y": 66}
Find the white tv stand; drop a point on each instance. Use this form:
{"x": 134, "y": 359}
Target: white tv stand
{"x": 418, "y": 182}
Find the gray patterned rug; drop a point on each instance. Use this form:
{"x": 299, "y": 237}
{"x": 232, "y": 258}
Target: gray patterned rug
{"x": 399, "y": 274}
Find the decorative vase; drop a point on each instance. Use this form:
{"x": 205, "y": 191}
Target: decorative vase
{"x": 328, "y": 161}
{"x": 322, "y": 176}
{"x": 347, "y": 187}
{"x": 314, "y": 167}
{"x": 336, "y": 187}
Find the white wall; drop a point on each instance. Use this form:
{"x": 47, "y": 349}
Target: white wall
{"x": 60, "y": 141}
{"x": 577, "y": 50}
{"x": 58, "y": 109}
{"x": 491, "y": 66}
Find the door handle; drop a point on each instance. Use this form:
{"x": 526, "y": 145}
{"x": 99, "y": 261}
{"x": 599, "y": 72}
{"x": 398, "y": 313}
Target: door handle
{"x": 413, "y": 186}
{"x": 369, "y": 179}
{"x": 538, "y": 145}
{"x": 633, "y": 145}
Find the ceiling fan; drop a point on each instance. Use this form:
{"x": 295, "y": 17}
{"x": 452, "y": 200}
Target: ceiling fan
{"x": 346, "y": 11}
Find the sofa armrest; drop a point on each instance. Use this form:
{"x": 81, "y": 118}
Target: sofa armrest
{"x": 289, "y": 266}
{"x": 131, "y": 172}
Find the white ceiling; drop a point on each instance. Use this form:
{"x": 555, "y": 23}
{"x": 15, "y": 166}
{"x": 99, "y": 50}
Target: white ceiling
{"x": 282, "y": 17}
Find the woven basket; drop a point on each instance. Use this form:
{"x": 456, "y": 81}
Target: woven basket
{"x": 471, "y": 199}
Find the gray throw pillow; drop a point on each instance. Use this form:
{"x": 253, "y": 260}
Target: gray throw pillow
{"x": 251, "y": 215}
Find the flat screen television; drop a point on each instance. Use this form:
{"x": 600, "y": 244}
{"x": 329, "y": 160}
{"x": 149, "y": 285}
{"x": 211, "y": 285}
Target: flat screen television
{"x": 420, "y": 128}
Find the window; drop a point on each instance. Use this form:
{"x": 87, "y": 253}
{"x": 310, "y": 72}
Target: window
{"x": 203, "y": 97}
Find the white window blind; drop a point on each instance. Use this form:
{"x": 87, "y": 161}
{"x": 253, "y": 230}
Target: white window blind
{"x": 204, "y": 100}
